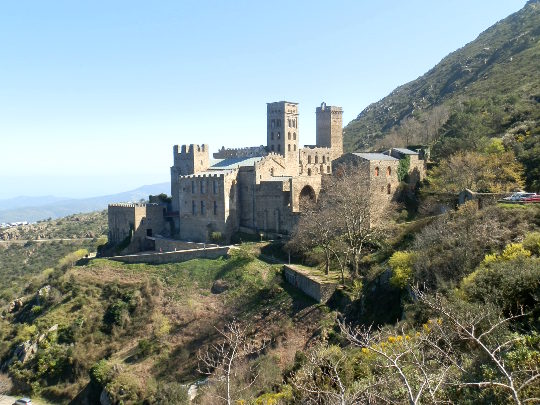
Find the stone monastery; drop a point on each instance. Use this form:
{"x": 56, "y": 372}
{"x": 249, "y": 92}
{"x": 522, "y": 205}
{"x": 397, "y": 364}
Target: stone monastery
{"x": 254, "y": 189}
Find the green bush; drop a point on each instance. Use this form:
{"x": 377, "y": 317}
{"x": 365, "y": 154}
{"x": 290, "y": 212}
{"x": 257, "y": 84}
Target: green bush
{"x": 532, "y": 243}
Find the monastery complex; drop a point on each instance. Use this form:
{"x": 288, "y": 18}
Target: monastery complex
{"x": 255, "y": 189}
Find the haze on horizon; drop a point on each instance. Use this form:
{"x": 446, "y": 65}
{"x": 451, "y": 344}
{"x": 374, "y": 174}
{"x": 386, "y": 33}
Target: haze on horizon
{"x": 95, "y": 94}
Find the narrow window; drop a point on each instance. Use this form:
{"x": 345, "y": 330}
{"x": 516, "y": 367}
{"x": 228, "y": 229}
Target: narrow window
{"x": 377, "y": 171}
{"x": 272, "y": 147}
{"x": 294, "y": 146}
{"x": 192, "y": 187}
{"x": 203, "y": 208}
{"x": 388, "y": 189}
{"x": 327, "y": 169}
{"x": 273, "y": 123}
{"x": 203, "y": 188}
{"x": 215, "y": 207}
{"x": 289, "y": 147}
{"x": 215, "y": 186}
{"x": 309, "y": 159}
{"x": 193, "y": 207}
{"x": 324, "y": 159}
{"x": 309, "y": 172}
{"x": 279, "y": 148}
{"x": 321, "y": 169}
{"x": 294, "y": 136}
{"x": 388, "y": 171}
{"x": 289, "y": 136}
{"x": 316, "y": 158}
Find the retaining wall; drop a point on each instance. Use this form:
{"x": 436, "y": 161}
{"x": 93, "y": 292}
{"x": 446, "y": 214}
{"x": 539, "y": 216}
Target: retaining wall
{"x": 320, "y": 291}
{"x": 174, "y": 257}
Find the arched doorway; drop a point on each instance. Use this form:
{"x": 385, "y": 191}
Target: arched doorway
{"x": 307, "y": 197}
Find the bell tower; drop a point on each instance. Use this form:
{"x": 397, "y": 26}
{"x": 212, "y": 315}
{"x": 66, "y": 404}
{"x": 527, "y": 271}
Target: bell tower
{"x": 329, "y": 132}
{"x": 282, "y": 129}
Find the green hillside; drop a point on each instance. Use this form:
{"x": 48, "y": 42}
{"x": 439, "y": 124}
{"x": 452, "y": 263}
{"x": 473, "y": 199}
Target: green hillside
{"x": 500, "y": 67}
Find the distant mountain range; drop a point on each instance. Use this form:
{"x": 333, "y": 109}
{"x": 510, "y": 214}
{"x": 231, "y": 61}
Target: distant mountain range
{"x": 501, "y": 65}
{"x": 33, "y": 209}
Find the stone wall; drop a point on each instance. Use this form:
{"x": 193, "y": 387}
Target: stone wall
{"x": 315, "y": 161}
{"x": 320, "y": 291}
{"x": 208, "y": 203}
{"x": 174, "y": 257}
{"x": 171, "y": 245}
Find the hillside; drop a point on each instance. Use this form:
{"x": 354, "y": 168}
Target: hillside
{"x": 501, "y": 66}
{"x": 63, "y": 207}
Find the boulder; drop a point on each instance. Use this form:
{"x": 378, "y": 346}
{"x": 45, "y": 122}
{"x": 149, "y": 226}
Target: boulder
{"x": 219, "y": 286}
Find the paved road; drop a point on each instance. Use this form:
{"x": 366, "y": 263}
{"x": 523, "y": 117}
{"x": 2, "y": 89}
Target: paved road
{"x": 6, "y": 400}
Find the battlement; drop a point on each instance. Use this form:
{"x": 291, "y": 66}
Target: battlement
{"x": 328, "y": 109}
{"x": 131, "y": 205}
{"x": 187, "y": 151}
{"x": 250, "y": 151}
{"x": 206, "y": 175}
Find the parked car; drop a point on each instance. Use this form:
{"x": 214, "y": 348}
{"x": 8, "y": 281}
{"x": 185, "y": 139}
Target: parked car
{"x": 23, "y": 401}
{"x": 533, "y": 198}
{"x": 519, "y": 196}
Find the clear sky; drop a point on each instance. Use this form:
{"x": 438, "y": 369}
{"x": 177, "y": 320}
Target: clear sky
{"x": 94, "y": 94}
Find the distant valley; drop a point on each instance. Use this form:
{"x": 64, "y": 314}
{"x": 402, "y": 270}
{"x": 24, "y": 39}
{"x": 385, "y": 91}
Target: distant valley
{"x": 33, "y": 209}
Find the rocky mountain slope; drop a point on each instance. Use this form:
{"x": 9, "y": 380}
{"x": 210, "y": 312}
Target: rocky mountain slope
{"x": 502, "y": 64}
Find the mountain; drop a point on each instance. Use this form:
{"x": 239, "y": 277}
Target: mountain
{"x": 54, "y": 207}
{"x": 501, "y": 65}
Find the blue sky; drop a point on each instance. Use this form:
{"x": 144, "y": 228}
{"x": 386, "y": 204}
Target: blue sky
{"x": 94, "y": 94}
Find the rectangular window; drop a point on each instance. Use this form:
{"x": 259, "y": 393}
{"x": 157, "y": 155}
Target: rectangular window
{"x": 193, "y": 207}
{"x": 192, "y": 186}
{"x": 202, "y": 186}
{"x": 203, "y": 208}
{"x": 215, "y": 186}
{"x": 215, "y": 207}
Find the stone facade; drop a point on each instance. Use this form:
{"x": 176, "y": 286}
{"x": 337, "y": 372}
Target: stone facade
{"x": 258, "y": 189}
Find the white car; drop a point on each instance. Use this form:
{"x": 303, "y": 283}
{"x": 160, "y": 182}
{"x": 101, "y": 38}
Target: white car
{"x": 23, "y": 401}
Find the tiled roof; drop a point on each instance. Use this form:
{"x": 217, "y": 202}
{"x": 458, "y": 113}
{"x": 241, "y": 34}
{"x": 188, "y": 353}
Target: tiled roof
{"x": 406, "y": 151}
{"x": 374, "y": 156}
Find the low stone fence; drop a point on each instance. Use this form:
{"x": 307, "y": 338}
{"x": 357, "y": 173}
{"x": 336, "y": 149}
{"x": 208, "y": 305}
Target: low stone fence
{"x": 170, "y": 245}
{"x": 319, "y": 290}
{"x": 174, "y": 257}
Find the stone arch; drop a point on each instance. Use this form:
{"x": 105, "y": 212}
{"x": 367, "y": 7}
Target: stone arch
{"x": 307, "y": 195}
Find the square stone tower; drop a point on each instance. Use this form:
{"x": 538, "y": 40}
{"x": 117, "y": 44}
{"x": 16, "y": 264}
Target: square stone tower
{"x": 329, "y": 130}
{"x": 282, "y": 129}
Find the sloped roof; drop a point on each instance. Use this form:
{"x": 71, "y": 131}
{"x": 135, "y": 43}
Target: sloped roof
{"x": 233, "y": 163}
{"x": 405, "y": 151}
{"x": 374, "y": 156}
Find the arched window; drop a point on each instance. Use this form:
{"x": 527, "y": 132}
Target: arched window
{"x": 289, "y": 136}
{"x": 321, "y": 169}
{"x": 324, "y": 159}
{"x": 289, "y": 122}
{"x": 388, "y": 171}
{"x": 309, "y": 172}
{"x": 377, "y": 171}
{"x": 289, "y": 147}
{"x": 192, "y": 187}
{"x": 294, "y": 136}
{"x": 193, "y": 207}
{"x": 309, "y": 159}
{"x": 388, "y": 189}
{"x": 294, "y": 146}
{"x": 316, "y": 158}
{"x": 273, "y": 124}
{"x": 279, "y": 135}
{"x": 327, "y": 169}
{"x": 203, "y": 208}
{"x": 215, "y": 207}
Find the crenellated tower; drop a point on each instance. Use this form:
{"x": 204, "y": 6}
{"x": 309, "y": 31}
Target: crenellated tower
{"x": 329, "y": 130}
{"x": 188, "y": 159}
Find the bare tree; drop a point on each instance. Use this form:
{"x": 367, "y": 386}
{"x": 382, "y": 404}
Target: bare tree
{"x": 357, "y": 221}
{"x": 420, "y": 362}
{"x": 221, "y": 359}
{"x": 488, "y": 332}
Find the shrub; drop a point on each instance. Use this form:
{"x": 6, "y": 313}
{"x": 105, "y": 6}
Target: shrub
{"x": 532, "y": 243}
{"x": 401, "y": 264}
